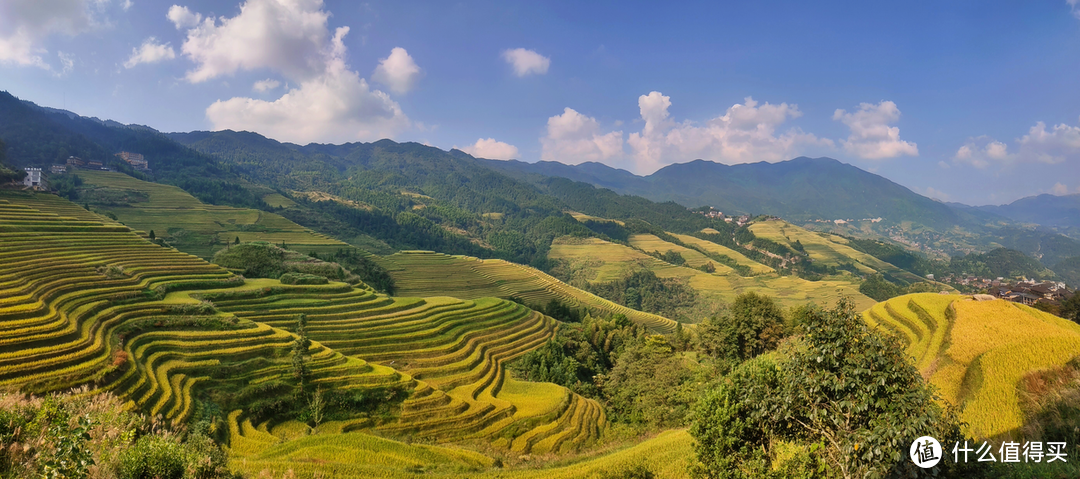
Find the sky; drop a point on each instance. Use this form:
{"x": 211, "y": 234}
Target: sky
{"x": 968, "y": 101}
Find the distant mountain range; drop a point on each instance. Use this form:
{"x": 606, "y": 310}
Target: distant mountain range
{"x": 235, "y": 168}
{"x": 802, "y": 189}
{"x": 1046, "y": 210}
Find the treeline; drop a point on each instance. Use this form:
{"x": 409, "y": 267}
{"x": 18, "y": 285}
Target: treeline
{"x": 644, "y": 291}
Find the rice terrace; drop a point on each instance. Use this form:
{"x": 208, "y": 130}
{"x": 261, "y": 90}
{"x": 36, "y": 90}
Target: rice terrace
{"x": 316, "y": 239}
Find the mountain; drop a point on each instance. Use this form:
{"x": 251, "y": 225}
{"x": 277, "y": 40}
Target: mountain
{"x": 1046, "y": 210}
{"x": 41, "y": 136}
{"x": 802, "y": 189}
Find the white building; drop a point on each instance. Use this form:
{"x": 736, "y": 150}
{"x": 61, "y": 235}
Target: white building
{"x": 33, "y": 177}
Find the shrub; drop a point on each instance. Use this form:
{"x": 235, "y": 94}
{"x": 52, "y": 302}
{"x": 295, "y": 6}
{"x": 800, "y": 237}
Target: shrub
{"x": 301, "y": 278}
{"x": 153, "y": 457}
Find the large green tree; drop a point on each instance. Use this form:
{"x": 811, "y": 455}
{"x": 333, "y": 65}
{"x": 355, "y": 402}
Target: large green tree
{"x": 752, "y": 325}
{"x": 839, "y": 401}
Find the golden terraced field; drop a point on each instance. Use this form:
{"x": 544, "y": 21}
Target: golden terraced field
{"x": 976, "y": 352}
{"x": 87, "y": 301}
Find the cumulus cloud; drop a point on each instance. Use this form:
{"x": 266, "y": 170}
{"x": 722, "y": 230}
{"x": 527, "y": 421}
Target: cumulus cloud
{"x": 981, "y": 151}
{"x": 25, "y": 24}
{"x": 1074, "y": 6}
{"x": 397, "y": 71}
{"x": 746, "y": 132}
{"x": 871, "y": 136}
{"x": 574, "y": 138}
{"x": 492, "y": 149}
{"x": 182, "y": 17}
{"x": 263, "y": 86}
{"x": 526, "y": 62}
{"x": 330, "y": 103}
{"x": 289, "y": 36}
{"x": 1059, "y": 189}
{"x": 1055, "y": 146}
{"x": 150, "y": 52}
{"x": 126, "y": 5}
{"x": 1039, "y": 145}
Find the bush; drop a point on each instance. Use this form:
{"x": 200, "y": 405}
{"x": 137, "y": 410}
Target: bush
{"x": 301, "y": 278}
{"x": 153, "y": 457}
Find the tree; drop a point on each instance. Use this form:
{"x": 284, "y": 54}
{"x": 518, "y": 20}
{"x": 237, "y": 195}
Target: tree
{"x": 1070, "y": 308}
{"x": 843, "y": 396}
{"x": 152, "y": 235}
{"x": 300, "y": 350}
{"x": 752, "y": 325}
{"x": 237, "y": 240}
{"x": 316, "y": 409}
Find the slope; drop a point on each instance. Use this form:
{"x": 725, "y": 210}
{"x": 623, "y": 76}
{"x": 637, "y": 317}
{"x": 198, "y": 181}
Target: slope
{"x": 86, "y": 301}
{"x": 976, "y": 352}
{"x": 187, "y": 223}
{"x": 423, "y": 273}
{"x": 596, "y": 260}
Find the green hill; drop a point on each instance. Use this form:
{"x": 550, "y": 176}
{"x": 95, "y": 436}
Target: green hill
{"x": 187, "y": 223}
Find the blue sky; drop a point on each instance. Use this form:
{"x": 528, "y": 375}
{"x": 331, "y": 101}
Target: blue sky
{"x": 962, "y": 101}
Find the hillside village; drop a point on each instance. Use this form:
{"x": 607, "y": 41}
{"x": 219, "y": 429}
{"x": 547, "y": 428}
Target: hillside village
{"x": 34, "y": 180}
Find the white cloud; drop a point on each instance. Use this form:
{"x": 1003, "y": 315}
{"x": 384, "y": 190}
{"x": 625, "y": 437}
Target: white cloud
{"x": 1059, "y": 189}
{"x": 1054, "y": 146}
{"x": 25, "y": 24}
{"x": 263, "y": 86}
{"x": 126, "y": 5}
{"x": 1074, "y": 6}
{"x": 335, "y": 106}
{"x": 331, "y": 103}
{"x": 746, "y": 132}
{"x": 397, "y": 71}
{"x": 981, "y": 151}
{"x": 526, "y": 62}
{"x": 150, "y": 52}
{"x": 289, "y": 36}
{"x": 68, "y": 62}
{"x": 492, "y": 149}
{"x": 182, "y": 17}
{"x": 871, "y": 136}
{"x": 937, "y": 194}
{"x": 574, "y": 138}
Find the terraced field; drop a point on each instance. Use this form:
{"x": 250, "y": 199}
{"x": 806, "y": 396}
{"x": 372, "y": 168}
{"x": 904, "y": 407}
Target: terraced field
{"x": 354, "y": 456}
{"x": 694, "y": 258}
{"x": 188, "y": 223}
{"x": 82, "y": 304}
{"x": 605, "y": 261}
{"x": 755, "y": 267}
{"x": 826, "y": 249}
{"x": 976, "y": 352}
{"x": 85, "y": 301}
{"x": 423, "y": 273}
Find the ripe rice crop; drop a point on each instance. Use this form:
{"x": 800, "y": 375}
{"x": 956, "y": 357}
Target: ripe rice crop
{"x": 976, "y": 352}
